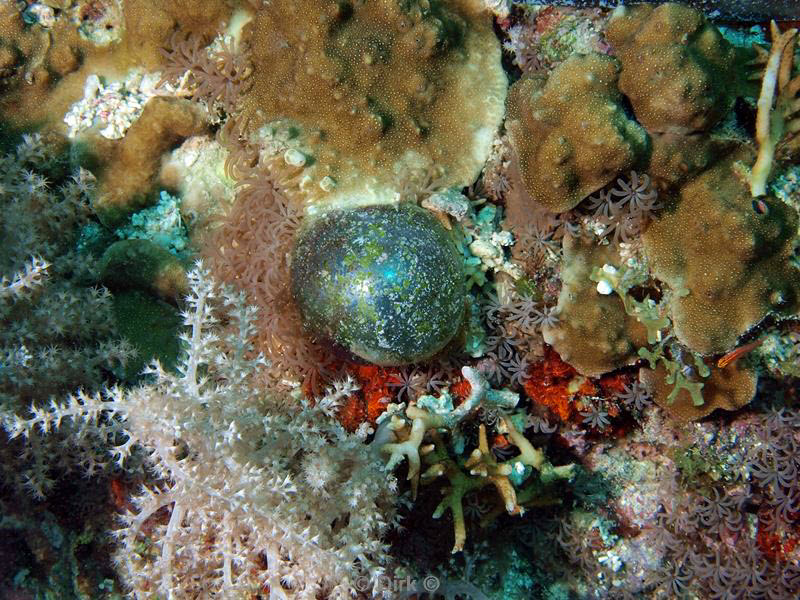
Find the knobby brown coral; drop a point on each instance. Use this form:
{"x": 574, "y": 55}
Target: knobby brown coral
{"x": 570, "y": 131}
{"x": 379, "y": 87}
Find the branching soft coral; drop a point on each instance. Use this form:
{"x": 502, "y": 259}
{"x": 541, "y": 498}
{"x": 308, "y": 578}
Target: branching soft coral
{"x": 56, "y": 328}
{"x": 244, "y": 478}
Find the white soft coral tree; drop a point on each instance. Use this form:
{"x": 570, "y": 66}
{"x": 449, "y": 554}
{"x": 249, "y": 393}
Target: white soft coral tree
{"x": 252, "y": 491}
{"x": 57, "y": 330}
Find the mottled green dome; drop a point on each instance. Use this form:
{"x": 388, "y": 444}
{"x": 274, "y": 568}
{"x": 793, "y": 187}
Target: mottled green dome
{"x": 387, "y": 282}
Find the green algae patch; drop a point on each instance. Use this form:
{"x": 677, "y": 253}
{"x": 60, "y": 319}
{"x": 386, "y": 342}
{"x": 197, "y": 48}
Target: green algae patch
{"x": 151, "y": 326}
{"x": 142, "y": 264}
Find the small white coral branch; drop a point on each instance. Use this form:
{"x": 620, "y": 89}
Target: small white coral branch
{"x": 225, "y": 454}
{"x": 26, "y": 280}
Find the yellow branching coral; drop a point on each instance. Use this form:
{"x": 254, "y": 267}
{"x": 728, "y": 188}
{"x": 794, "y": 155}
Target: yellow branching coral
{"x": 483, "y": 464}
{"x": 483, "y": 470}
{"x": 429, "y": 433}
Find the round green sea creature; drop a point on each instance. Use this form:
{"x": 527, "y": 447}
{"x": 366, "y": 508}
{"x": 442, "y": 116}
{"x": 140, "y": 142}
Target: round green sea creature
{"x": 385, "y": 281}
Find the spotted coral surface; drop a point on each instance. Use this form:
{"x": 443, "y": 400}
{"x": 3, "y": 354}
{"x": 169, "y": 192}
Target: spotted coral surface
{"x": 570, "y": 131}
{"x": 594, "y": 334}
{"x": 376, "y": 87}
{"x": 733, "y": 262}
{"x": 677, "y": 69}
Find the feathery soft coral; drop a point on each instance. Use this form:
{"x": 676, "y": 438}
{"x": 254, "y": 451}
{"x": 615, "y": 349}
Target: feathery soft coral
{"x": 240, "y": 473}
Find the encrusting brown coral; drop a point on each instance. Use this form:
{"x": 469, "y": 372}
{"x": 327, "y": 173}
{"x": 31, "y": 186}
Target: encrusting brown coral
{"x": 571, "y": 133}
{"x": 677, "y": 158}
{"x": 712, "y": 263}
{"x": 594, "y": 334}
{"x": 730, "y": 388}
{"x": 131, "y": 164}
{"x": 377, "y": 88}
{"x": 732, "y": 261}
{"x": 677, "y": 70}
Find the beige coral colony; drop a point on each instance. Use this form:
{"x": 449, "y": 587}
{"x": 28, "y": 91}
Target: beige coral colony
{"x": 462, "y": 299}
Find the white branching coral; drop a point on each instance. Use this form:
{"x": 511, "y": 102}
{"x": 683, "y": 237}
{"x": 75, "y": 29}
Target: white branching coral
{"x": 236, "y": 504}
{"x": 25, "y": 280}
{"x": 56, "y": 326}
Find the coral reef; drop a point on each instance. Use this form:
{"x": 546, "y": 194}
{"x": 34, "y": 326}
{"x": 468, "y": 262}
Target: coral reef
{"x": 129, "y": 167}
{"x": 406, "y": 433}
{"x": 549, "y": 35}
{"x": 435, "y": 352}
{"x": 46, "y": 63}
{"x": 291, "y": 521}
{"x": 58, "y": 330}
{"x": 730, "y": 388}
{"x": 708, "y": 299}
{"x": 594, "y": 334}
